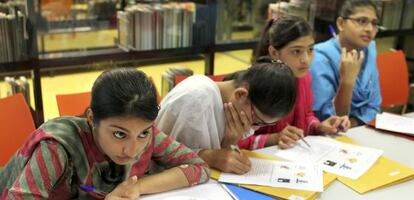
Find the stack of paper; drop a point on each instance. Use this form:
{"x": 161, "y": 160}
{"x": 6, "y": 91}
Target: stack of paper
{"x": 335, "y": 157}
{"x": 395, "y": 123}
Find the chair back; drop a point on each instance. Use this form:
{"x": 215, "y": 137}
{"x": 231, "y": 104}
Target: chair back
{"x": 393, "y": 78}
{"x": 16, "y": 124}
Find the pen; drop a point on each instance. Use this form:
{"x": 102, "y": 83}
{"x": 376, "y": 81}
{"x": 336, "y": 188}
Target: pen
{"x": 332, "y": 30}
{"x": 304, "y": 141}
{"x": 235, "y": 148}
{"x": 88, "y": 188}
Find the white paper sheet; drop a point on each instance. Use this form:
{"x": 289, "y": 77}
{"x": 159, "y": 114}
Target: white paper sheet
{"x": 279, "y": 174}
{"x": 395, "y": 123}
{"x": 209, "y": 191}
{"x": 335, "y": 157}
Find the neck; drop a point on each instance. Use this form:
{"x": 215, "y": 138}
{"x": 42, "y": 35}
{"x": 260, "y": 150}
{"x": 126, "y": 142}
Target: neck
{"x": 226, "y": 90}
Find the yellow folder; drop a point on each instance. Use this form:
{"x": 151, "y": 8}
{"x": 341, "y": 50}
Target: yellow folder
{"x": 383, "y": 173}
{"x": 283, "y": 193}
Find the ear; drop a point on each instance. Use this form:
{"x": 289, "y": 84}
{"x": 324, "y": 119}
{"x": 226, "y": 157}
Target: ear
{"x": 241, "y": 93}
{"x": 273, "y": 53}
{"x": 340, "y": 23}
{"x": 89, "y": 117}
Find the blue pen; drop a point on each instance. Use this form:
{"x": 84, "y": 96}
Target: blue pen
{"x": 88, "y": 188}
{"x": 332, "y": 30}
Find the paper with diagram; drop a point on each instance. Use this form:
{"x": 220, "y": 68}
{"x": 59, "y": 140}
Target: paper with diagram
{"x": 335, "y": 157}
{"x": 279, "y": 174}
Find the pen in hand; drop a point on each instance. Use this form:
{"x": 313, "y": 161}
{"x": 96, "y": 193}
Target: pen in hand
{"x": 88, "y": 188}
{"x": 235, "y": 148}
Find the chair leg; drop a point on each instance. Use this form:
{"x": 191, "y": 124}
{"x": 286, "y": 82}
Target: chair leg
{"x": 404, "y": 108}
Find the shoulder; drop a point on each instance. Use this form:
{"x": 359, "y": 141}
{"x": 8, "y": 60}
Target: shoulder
{"x": 196, "y": 91}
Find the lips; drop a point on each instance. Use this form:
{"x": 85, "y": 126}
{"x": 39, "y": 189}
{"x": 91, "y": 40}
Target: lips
{"x": 366, "y": 38}
{"x": 123, "y": 158}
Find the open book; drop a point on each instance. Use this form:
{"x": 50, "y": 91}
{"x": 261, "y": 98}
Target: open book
{"x": 335, "y": 157}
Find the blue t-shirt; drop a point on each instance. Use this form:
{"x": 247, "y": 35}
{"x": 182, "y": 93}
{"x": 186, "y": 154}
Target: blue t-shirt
{"x": 325, "y": 69}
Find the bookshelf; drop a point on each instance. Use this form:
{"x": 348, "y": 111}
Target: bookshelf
{"x": 205, "y": 46}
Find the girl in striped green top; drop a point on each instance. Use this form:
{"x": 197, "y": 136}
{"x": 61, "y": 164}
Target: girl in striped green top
{"x": 106, "y": 155}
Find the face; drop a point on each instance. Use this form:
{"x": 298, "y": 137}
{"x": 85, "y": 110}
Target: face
{"x": 297, "y": 54}
{"x": 357, "y": 30}
{"x": 242, "y": 102}
{"x": 122, "y": 138}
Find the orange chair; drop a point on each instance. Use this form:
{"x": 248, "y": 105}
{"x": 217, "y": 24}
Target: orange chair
{"x": 16, "y": 124}
{"x": 73, "y": 104}
{"x": 216, "y": 78}
{"x": 393, "y": 78}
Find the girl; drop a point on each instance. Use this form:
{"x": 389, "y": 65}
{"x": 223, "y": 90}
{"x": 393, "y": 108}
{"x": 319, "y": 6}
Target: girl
{"x": 345, "y": 76}
{"x": 290, "y": 39}
{"x": 108, "y": 152}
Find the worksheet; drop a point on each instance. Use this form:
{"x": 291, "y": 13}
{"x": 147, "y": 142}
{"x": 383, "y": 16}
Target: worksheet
{"x": 335, "y": 157}
{"x": 279, "y": 174}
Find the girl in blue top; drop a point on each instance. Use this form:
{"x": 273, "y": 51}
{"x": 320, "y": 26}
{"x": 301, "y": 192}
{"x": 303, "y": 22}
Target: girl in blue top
{"x": 344, "y": 69}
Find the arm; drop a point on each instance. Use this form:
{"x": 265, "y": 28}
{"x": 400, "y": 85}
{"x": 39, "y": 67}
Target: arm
{"x": 254, "y": 142}
{"x": 41, "y": 173}
{"x": 349, "y": 69}
{"x": 187, "y": 168}
{"x": 324, "y": 86}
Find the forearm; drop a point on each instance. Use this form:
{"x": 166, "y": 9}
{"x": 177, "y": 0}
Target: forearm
{"x": 272, "y": 140}
{"x": 170, "y": 179}
{"x": 208, "y": 156}
{"x": 344, "y": 97}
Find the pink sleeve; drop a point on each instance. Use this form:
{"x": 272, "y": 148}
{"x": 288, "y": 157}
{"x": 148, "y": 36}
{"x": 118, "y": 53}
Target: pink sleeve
{"x": 311, "y": 120}
{"x": 253, "y": 142}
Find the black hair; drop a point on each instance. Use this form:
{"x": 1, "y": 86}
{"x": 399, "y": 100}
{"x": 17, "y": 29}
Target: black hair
{"x": 272, "y": 86}
{"x": 123, "y": 92}
{"x": 349, "y": 6}
{"x": 281, "y": 32}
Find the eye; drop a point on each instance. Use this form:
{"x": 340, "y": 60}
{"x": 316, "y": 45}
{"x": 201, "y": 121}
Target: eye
{"x": 310, "y": 50}
{"x": 362, "y": 21}
{"x": 119, "y": 135}
{"x": 296, "y": 52}
{"x": 144, "y": 134}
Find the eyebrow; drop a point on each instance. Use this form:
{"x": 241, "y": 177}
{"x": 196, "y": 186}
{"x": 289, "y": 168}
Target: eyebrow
{"x": 126, "y": 130}
{"x": 299, "y": 46}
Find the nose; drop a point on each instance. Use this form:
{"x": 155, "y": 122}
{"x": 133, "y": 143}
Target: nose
{"x": 131, "y": 149}
{"x": 305, "y": 58}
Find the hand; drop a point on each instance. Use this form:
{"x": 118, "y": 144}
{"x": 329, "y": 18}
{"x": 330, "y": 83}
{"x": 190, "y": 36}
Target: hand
{"x": 127, "y": 190}
{"x": 230, "y": 161}
{"x": 334, "y": 124}
{"x": 237, "y": 124}
{"x": 288, "y": 136}
{"x": 350, "y": 65}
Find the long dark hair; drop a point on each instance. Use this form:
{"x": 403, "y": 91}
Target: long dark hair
{"x": 280, "y": 32}
{"x": 349, "y": 6}
{"x": 272, "y": 86}
{"x": 124, "y": 92}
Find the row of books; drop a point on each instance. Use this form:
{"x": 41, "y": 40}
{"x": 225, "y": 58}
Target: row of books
{"x": 13, "y": 40}
{"x": 156, "y": 26}
{"x": 14, "y": 86}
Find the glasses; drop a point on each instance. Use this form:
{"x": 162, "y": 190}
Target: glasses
{"x": 257, "y": 121}
{"x": 363, "y": 22}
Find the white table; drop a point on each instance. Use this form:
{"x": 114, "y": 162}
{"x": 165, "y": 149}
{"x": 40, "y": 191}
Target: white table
{"x": 395, "y": 148}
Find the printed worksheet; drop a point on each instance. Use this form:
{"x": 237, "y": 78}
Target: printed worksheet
{"x": 279, "y": 174}
{"x": 335, "y": 157}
